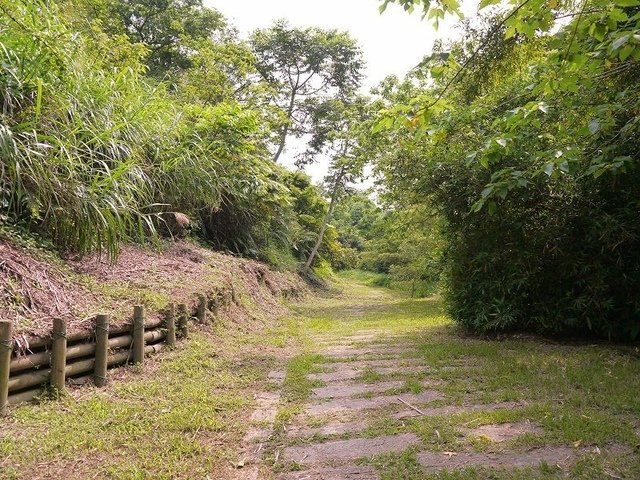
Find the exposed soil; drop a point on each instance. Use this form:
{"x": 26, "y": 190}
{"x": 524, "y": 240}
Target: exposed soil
{"x": 36, "y": 286}
{"x": 267, "y": 407}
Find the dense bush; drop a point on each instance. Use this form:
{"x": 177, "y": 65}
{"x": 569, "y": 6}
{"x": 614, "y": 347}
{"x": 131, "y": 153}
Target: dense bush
{"x": 380, "y": 262}
{"x": 568, "y": 262}
{"x": 527, "y": 149}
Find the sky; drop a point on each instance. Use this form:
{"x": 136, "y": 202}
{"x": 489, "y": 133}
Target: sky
{"x": 392, "y": 43}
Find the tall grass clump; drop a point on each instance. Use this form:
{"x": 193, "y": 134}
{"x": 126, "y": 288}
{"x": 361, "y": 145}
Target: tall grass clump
{"x": 72, "y": 134}
{"x": 94, "y": 151}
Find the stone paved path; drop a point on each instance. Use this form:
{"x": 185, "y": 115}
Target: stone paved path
{"x": 369, "y": 386}
{"x": 330, "y": 433}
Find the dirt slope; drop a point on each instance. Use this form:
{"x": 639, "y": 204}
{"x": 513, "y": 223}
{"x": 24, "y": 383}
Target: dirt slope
{"x": 37, "y": 285}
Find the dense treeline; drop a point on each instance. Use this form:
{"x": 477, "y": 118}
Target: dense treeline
{"x": 115, "y": 113}
{"x": 524, "y": 157}
{"x": 506, "y": 162}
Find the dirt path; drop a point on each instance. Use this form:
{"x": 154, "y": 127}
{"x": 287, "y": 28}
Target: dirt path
{"x": 385, "y": 389}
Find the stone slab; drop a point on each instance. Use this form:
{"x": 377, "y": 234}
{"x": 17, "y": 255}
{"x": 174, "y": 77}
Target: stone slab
{"x": 331, "y": 428}
{"x": 453, "y": 409}
{"x": 343, "y": 404}
{"x": 349, "y": 449}
{"x": 353, "y": 373}
{"x": 435, "y": 461}
{"x": 349, "y": 390}
{"x": 353, "y": 351}
{"x": 355, "y": 472}
{"x": 277, "y": 376}
{"x": 502, "y": 432}
{"x": 398, "y": 363}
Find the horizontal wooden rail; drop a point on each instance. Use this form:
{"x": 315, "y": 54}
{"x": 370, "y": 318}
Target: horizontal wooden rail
{"x": 26, "y": 380}
{"x": 40, "y": 342}
{"x": 37, "y": 360}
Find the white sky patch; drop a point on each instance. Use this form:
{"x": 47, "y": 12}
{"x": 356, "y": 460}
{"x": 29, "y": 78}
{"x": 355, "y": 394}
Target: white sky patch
{"x": 392, "y": 43}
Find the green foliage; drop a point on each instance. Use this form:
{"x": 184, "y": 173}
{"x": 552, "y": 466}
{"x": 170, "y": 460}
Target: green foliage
{"x": 393, "y": 243}
{"x": 345, "y": 258}
{"x": 303, "y": 66}
{"x": 94, "y": 151}
{"x": 71, "y": 135}
{"x": 526, "y": 145}
{"x": 356, "y": 218}
{"x": 323, "y": 269}
{"x": 165, "y": 27}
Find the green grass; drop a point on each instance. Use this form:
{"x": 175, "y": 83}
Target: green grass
{"x": 187, "y": 415}
{"x": 183, "y": 418}
{"x": 418, "y": 289}
{"x": 581, "y": 394}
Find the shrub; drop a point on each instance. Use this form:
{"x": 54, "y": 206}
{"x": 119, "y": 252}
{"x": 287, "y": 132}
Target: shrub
{"x": 565, "y": 262}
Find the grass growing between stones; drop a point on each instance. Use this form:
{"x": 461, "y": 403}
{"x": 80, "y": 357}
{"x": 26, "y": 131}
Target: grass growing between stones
{"x": 582, "y": 396}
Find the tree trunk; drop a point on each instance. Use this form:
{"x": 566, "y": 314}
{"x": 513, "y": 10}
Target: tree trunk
{"x": 327, "y": 219}
{"x": 285, "y": 129}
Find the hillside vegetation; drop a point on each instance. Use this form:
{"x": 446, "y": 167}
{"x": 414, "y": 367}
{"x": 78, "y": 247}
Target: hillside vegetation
{"x": 505, "y": 162}
{"x": 107, "y": 126}
{"x": 509, "y": 162}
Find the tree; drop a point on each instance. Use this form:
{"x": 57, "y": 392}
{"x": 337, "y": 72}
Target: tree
{"x": 301, "y": 65}
{"x": 526, "y": 146}
{"x": 220, "y": 71}
{"x": 167, "y": 27}
{"x": 338, "y": 127}
{"x": 356, "y": 219}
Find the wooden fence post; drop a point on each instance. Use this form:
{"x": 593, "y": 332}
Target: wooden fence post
{"x": 171, "y": 325}
{"x": 182, "y": 320}
{"x": 138, "y": 334}
{"x": 6, "y": 346}
{"x": 202, "y": 308}
{"x": 58, "y": 354}
{"x": 102, "y": 350}
{"x": 235, "y": 296}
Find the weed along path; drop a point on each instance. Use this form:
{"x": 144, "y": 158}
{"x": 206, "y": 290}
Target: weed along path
{"x": 385, "y": 387}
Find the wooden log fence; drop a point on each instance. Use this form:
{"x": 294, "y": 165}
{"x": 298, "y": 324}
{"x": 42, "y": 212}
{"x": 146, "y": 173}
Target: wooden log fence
{"x": 37, "y": 360}
{"x": 101, "y": 351}
{"x": 6, "y": 346}
{"x": 86, "y": 356}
